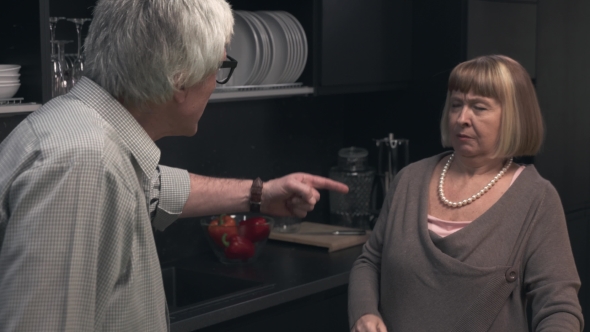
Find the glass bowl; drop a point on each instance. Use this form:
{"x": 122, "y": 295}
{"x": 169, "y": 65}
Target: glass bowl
{"x": 241, "y": 237}
{"x": 287, "y": 224}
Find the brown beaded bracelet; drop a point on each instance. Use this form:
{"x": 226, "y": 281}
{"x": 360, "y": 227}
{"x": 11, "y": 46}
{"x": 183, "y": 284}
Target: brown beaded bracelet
{"x": 256, "y": 195}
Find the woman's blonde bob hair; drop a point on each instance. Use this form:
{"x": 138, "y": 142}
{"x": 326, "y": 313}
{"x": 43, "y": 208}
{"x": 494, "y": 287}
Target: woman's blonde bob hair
{"x": 505, "y": 80}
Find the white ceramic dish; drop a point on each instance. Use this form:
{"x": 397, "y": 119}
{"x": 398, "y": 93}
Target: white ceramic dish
{"x": 8, "y": 90}
{"x": 9, "y": 79}
{"x": 9, "y": 69}
{"x": 243, "y": 48}
{"x": 302, "y": 46}
{"x": 279, "y": 46}
{"x": 266, "y": 51}
{"x": 298, "y": 45}
{"x": 259, "y": 63}
{"x": 290, "y": 47}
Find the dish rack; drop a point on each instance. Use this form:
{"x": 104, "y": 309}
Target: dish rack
{"x": 11, "y": 101}
{"x": 14, "y": 106}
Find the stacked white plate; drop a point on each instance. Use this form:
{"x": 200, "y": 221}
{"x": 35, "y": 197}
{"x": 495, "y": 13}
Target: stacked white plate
{"x": 9, "y": 80}
{"x": 270, "y": 47}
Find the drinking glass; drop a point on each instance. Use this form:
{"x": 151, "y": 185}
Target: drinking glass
{"x": 78, "y": 66}
{"x": 60, "y": 72}
{"x": 52, "y": 24}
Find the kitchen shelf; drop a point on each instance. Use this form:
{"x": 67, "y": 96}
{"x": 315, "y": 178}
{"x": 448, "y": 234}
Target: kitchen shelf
{"x": 234, "y": 93}
{"x": 15, "y": 109}
{"x": 250, "y": 92}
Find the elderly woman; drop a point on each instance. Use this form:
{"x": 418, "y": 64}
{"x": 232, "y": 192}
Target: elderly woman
{"x": 467, "y": 239}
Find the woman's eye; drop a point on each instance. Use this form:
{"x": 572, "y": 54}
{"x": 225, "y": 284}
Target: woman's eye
{"x": 455, "y": 105}
{"x": 479, "y": 108}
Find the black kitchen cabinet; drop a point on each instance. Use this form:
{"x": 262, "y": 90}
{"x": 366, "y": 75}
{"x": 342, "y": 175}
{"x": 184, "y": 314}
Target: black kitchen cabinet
{"x": 503, "y": 27}
{"x": 20, "y": 32}
{"x": 446, "y": 33}
{"x": 322, "y": 312}
{"x": 24, "y": 26}
{"x": 364, "y": 45}
{"x": 353, "y": 46}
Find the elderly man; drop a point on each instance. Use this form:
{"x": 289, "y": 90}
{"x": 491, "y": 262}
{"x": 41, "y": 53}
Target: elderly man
{"x": 80, "y": 184}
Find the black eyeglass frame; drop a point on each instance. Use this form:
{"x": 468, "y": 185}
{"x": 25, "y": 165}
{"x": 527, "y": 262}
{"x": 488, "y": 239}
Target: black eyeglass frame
{"x": 232, "y": 64}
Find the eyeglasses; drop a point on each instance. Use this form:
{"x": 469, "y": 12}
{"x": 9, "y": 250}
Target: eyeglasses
{"x": 226, "y": 69}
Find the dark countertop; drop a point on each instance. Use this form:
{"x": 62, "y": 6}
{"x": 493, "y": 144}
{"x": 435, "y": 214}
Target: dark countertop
{"x": 283, "y": 272}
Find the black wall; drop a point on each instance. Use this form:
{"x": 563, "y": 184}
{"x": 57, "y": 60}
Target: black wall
{"x": 563, "y": 82}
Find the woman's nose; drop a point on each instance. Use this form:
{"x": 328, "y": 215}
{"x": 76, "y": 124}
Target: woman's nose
{"x": 463, "y": 116}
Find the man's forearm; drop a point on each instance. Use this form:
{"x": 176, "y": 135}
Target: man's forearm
{"x": 209, "y": 196}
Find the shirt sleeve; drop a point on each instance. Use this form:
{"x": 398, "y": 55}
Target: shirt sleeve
{"x": 170, "y": 191}
{"x": 550, "y": 278}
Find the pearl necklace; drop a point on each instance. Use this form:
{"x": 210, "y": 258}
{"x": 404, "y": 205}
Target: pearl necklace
{"x": 471, "y": 199}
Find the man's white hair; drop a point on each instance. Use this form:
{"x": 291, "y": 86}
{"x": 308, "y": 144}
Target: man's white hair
{"x": 141, "y": 51}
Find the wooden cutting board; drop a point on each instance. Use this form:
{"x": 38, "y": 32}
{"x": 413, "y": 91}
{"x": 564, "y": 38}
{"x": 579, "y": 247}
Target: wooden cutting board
{"x": 332, "y": 242}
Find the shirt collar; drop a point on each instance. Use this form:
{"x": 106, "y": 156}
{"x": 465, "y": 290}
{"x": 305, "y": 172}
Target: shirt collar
{"x": 145, "y": 151}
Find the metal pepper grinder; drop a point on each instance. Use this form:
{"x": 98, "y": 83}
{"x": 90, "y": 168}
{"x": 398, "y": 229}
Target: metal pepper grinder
{"x": 352, "y": 209}
{"x": 393, "y": 155}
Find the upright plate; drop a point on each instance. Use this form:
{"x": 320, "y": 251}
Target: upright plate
{"x": 303, "y": 47}
{"x": 244, "y": 48}
{"x": 270, "y": 48}
{"x": 291, "y": 47}
{"x": 279, "y": 40}
{"x": 297, "y": 41}
{"x": 265, "y": 52}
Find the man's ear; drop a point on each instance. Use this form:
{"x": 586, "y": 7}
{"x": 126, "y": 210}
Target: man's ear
{"x": 180, "y": 95}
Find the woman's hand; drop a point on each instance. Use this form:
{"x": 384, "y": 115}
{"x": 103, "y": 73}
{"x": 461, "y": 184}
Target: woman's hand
{"x": 295, "y": 194}
{"x": 369, "y": 323}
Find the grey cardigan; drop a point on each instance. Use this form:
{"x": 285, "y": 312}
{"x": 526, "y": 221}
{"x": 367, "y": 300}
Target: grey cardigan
{"x": 417, "y": 281}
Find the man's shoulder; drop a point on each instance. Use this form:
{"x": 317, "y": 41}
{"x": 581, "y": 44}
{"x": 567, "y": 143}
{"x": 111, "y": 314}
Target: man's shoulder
{"x": 67, "y": 128}
{"x": 65, "y": 131}
{"x": 65, "y": 117}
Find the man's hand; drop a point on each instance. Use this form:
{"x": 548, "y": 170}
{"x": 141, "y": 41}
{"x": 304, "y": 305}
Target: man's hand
{"x": 295, "y": 194}
{"x": 369, "y": 323}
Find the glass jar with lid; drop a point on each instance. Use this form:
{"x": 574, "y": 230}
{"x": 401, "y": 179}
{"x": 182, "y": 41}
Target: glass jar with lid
{"x": 352, "y": 209}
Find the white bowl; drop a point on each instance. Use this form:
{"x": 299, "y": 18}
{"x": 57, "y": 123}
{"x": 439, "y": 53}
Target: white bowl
{"x": 9, "y": 69}
{"x": 9, "y": 78}
{"x": 8, "y": 90}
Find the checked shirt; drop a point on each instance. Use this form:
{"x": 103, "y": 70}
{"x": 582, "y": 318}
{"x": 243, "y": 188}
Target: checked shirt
{"x": 80, "y": 190}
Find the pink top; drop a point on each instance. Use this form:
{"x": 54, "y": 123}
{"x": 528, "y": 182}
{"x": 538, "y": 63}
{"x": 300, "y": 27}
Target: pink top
{"x": 446, "y": 227}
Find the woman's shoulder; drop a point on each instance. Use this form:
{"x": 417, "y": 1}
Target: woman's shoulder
{"x": 533, "y": 183}
{"x": 531, "y": 175}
